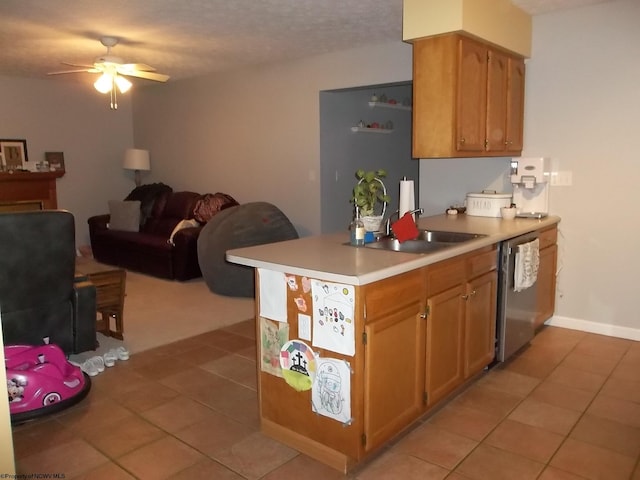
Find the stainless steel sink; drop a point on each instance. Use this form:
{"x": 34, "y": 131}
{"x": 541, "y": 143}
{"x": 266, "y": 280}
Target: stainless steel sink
{"x": 428, "y": 241}
{"x": 447, "y": 237}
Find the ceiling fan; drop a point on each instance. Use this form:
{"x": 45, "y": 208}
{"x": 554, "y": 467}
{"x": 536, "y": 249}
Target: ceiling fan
{"x": 114, "y": 71}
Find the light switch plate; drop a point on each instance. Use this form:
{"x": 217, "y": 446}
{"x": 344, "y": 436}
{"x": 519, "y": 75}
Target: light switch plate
{"x": 562, "y": 178}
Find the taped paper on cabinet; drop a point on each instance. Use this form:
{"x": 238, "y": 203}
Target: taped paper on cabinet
{"x": 333, "y": 311}
{"x": 273, "y": 295}
{"x": 331, "y": 392}
{"x": 273, "y": 335}
{"x": 304, "y": 326}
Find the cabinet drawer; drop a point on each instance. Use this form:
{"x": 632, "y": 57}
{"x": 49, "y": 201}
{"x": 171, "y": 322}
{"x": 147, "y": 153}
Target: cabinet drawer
{"x": 548, "y": 237}
{"x": 386, "y": 296}
{"x": 482, "y": 263}
{"x": 445, "y": 275}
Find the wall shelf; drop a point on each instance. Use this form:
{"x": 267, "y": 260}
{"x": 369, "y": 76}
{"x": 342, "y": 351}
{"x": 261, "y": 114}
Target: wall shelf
{"x": 370, "y": 130}
{"x": 396, "y": 106}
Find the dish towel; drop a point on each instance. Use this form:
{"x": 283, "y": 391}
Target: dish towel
{"x": 405, "y": 228}
{"x": 527, "y": 261}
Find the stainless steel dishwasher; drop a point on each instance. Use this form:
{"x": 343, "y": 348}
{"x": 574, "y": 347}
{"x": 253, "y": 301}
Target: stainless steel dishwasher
{"x": 516, "y": 309}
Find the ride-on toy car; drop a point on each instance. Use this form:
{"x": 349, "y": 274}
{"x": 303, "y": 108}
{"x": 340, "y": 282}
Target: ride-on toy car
{"x": 41, "y": 381}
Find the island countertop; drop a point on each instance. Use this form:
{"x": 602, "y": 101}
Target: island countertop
{"x": 330, "y": 257}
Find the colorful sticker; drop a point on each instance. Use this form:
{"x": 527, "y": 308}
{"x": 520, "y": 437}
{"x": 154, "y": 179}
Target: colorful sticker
{"x": 292, "y": 283}
{"x": 301, "y": 304}
{"x": 306, "y": 284}
{"x": 298, "y": 364}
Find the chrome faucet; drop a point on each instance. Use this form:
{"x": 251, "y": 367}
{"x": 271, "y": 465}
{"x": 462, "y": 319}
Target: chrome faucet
{"x": 387, "y": 225}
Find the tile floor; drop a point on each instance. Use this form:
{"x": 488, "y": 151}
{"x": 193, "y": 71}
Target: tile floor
{"x": 568, "y": 407}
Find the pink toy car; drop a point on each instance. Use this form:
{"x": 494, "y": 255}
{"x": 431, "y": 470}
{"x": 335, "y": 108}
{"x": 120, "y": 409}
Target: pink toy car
{"x": 40, "y": 381}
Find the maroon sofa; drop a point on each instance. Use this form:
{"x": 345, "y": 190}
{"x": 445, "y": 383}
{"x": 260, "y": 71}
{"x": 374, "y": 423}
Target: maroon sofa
{"x": 149, "y": 250}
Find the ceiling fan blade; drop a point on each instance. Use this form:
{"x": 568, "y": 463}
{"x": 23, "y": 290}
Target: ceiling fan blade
{"x": 86, "y": 70}
{"x": 132, "y": 67}
{"x": 77, "y": 65}
{"x": 156, "y": 77}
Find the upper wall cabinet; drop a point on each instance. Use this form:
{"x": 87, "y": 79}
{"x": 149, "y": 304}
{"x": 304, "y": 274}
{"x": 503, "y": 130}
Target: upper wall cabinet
{"x": 468, "y": 99}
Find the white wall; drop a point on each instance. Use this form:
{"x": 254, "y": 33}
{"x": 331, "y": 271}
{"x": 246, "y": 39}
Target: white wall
{"x": 255, "y": 133}
{"x": 73, "y": 118}
{"x": 582, "y": 105}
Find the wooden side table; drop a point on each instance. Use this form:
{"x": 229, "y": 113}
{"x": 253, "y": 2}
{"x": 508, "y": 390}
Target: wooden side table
{"x": 110, "y": 292}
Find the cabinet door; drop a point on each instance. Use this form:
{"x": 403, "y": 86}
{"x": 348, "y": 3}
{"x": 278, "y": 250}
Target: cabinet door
{"x": 515, "y": 106}
{"x": 546, "y": 284}
{"x": 435, "y": 62}
{"x": 471, "y": 107}
{"x": 480, "y": 323}
{"x": 497, "y": 78}
{"x": 393, "y": 380}
{"x": 445, "y": 323}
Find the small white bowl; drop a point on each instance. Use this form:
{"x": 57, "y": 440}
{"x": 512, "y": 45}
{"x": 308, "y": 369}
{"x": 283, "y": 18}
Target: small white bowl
{"x": 508, "y": 213}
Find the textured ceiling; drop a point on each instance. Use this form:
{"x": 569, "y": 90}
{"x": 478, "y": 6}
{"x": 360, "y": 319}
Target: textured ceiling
{"x": 186, "y": 38}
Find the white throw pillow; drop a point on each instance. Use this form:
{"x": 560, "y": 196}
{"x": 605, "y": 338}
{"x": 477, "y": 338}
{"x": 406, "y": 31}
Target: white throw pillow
{"x": 125, "y": 215}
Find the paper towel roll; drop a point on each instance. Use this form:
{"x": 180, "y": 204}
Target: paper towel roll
{"x": 407, "y": 197}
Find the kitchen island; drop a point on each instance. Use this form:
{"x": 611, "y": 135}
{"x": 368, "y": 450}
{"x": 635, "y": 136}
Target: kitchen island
{"x": 355, "y": 344}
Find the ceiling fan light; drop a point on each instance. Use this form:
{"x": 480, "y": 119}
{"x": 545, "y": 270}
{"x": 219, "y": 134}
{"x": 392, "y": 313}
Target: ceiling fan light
{"x": 123, "y": 84}
{"x": 104, "y": 84}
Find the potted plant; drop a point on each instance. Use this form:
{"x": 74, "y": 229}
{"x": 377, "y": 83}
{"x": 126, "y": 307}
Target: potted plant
{"x": 368, "y": 194}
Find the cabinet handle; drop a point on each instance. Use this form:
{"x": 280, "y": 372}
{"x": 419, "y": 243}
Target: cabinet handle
{"x": 471, "y": 294}
{"x": 509, "y": 143}
{"x": 423, "y": 315}
{"x": 462, "y": 140}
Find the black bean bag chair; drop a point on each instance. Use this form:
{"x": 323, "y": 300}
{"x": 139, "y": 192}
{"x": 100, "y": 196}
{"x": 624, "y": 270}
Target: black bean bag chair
{"x": 244, "y": 225}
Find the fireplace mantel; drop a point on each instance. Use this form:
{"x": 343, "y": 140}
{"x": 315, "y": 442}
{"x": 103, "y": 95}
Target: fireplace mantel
{"x": 21, "y": 187}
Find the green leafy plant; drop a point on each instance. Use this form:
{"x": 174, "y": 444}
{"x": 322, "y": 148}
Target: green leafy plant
{"x": 369, "y": 191}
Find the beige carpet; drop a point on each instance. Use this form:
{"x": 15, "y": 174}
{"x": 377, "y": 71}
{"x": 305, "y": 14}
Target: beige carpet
{"x": 158, "y": 312}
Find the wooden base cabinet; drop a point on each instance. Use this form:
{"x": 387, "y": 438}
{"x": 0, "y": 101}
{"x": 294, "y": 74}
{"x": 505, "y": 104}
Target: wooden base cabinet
{"x": 461, "y": 321}
{"x": 445, "y": 330}
{"x": 394, "y": 356}
{"x": 546, "y": 282}
{"x": 480, "y": 323}
{"x": 419, "y": 336}
{"x": 468, "y": 99}
{"x": 426, "y": 333}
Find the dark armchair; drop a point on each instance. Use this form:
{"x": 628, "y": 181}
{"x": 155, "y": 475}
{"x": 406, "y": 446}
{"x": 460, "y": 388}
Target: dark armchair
{"x": 39, "y": 296}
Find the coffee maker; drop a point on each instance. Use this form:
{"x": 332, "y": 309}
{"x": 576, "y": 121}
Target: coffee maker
{"x": 530, "y": 178}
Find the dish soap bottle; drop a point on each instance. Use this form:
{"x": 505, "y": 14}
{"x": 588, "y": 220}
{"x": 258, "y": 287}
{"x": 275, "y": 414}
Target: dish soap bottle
{"x": 357, "y": 230}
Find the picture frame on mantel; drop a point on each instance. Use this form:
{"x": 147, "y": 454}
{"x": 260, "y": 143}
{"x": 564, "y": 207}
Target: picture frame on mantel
{"x": 13, "y": 154}
{"x": 55, "y": 160}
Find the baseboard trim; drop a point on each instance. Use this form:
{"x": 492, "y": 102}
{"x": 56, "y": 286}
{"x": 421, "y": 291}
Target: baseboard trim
{"x": 594, "y": 327}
